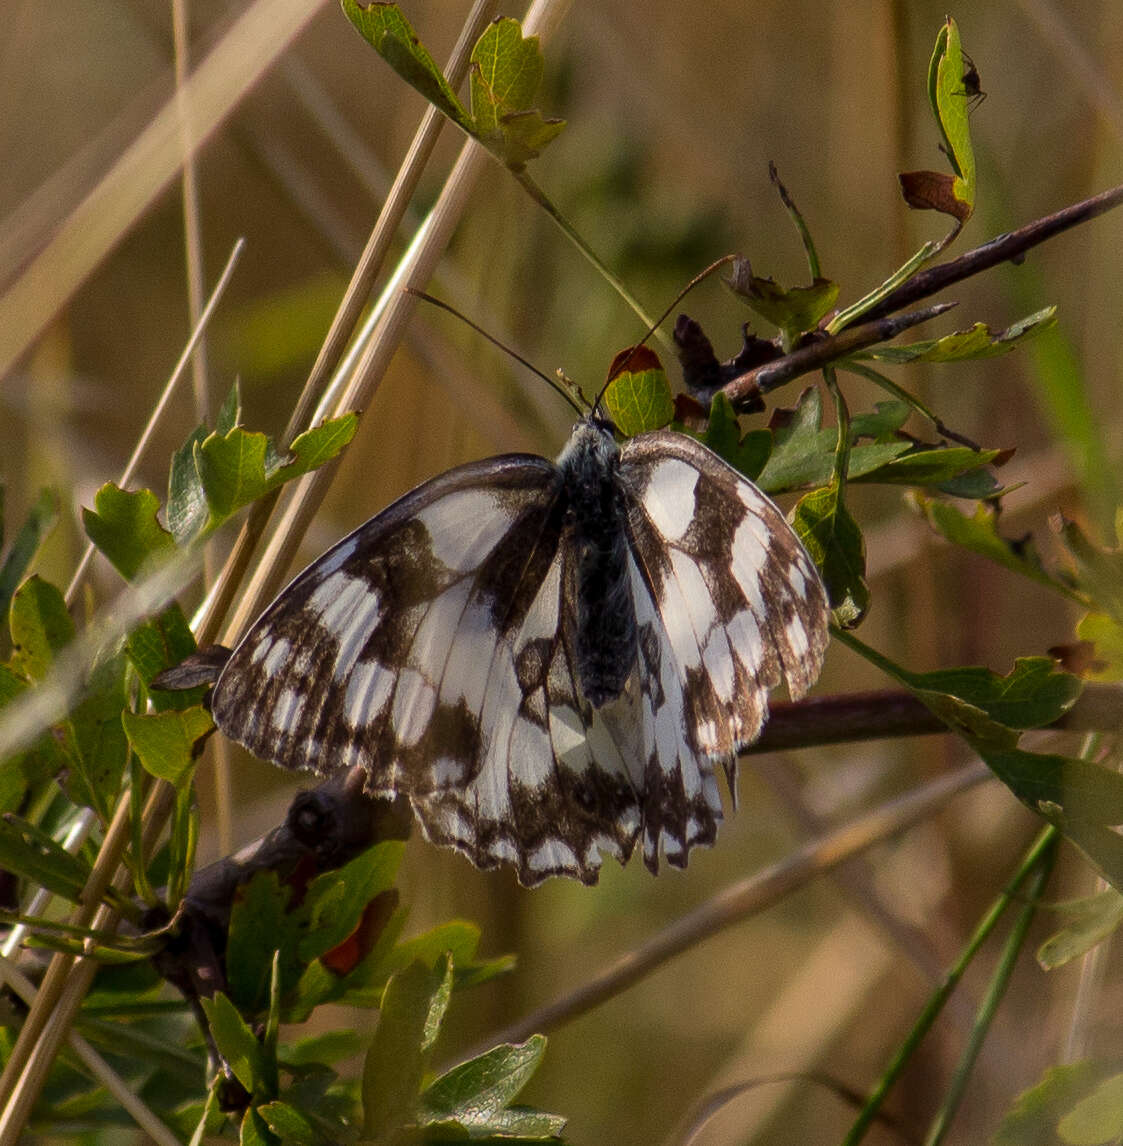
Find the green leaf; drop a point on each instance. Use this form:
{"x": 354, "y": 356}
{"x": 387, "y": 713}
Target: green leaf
{"x": 413, "y": 1007}
{"x": 934, "y": 190}
{"x": 1106, "y": 634}
{"x": 40, "y": 626}
{"x": 235, "y": 1040}
{"x": 331, "y": 1046}
{"x": 1033, "y": 1118}
{"x": 950, "y": 104}
{"x": 803, "y": 452}
{"x": 477, "y": 1094}
{"x": 1035, "y": 693}
{"x": 158, "y": 644}
{"x": 639, "y": 399}
{"x": 124, "y": 527}
{"x": 794, "y": 311}
{"x": 98, "y": 738}
{"x": 1064, "y": 789}
{"x": 254, "y": 1131}
{"x": 979, "y": 534}
{"x": 931, "y": 467}
{"x": 978, "y": 342}
{"x": 1096, "y": 1120}
{"x": 260, "y": 924}
{"x": 1093, "y": 920}
{"x": 387, "y": 31}
{"x": 505, "y": 75}
{"x": 165, "y": 741}
{"x": 835, "y": 543}
{"x": 335, "y": 901}
{"x": 289, "y": 1124}
{"x": 749, "y": 454}
{"x": 187, "y": 512}
{"x": 238, "y": 467}
{"x": 33, "y": 855}
{"x": 41, "y": 520}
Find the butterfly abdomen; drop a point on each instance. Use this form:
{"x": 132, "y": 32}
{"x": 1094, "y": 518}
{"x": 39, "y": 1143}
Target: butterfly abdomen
{"x": 606, "y": 640}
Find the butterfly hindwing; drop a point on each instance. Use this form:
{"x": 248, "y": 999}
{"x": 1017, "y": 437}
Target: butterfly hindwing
{"x": 735, "y": 604}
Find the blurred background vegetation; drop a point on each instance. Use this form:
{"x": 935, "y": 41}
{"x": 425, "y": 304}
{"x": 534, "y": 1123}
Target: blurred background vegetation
{"x": 674, "y": 111}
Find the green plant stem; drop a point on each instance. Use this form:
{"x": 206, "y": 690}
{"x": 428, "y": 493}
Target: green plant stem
{"x": 988, "y": 1008}
{"x": 1041, "y": 848}
{"x": 567, "y": 229}
{"x": 842, "y": 415}
{"x": 897, "y": 279}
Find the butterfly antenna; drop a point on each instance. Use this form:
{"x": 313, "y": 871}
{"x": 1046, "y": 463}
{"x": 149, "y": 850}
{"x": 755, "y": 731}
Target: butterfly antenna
{"x": 700, "y": 277}
{"x": 501, "y": 345}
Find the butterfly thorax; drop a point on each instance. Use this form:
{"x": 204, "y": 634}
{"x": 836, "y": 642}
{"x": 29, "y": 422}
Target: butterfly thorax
{"x": 605, "y": 637}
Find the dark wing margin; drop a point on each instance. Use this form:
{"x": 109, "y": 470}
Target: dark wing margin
{"x": 338, "y": 669}
{"x": 433, "y": 647}
{"x": 736, "y": 606}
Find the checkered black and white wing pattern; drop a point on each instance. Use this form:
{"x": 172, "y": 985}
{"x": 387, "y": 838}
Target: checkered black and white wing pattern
{"x": 434, "y": 648}
{"x": 449, "y": 648}
{"x": 728, "y": 602}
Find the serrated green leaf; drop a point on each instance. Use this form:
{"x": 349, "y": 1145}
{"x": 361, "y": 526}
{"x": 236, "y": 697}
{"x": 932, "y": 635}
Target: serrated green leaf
{"x": 835, "y": 543}
{"x": 793, "y": 310}
{"x": 187, "y": 512}
{"x": 506, "y": 71}
{"x": 1063, "y": 788}
{"x": 32, "y": 854}
{"x": 230, "y": 412}
{"x": 525, "y": 135}
{"x": 413, "y": 1007}
{"x": 239, "y": 467}
{"x": 749, "y": 454}
{"x": 124, "y": 527}
{"x": 260, "y": 924}
{"x": 234, "y": 1039}
{"x": 473, "y": 1092}
{"x": 388, "y": 31}
{"x": 1035, "y": 693}
{"x": 930, "y": 467}
{"x": 289, "y": 1124}
{"x": 158, "y": 644}
{"x": 40, "y": 626}
{"x": 1093, "y": 919}
{"x": 335, "y": 901}
{"x": 1097, "y": 1119}
{"x": 1033, "y": 1118}
{"x": 40, "y": 521}
{"x": 640, "y": 400}
{"x": 978, "y": 342}
{"x": 165, "y": 741}
{"x": 979, "y": 534}
{"x": 98, "y": 739}
{"x": 803, "y": 452}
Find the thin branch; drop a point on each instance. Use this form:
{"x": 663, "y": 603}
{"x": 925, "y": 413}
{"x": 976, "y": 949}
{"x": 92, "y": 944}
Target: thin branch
{"x": 744, "y": 899}
{"x": 879, "y": 715}
{"x": 745, "y": 390}
{"x": 1010, "y": 247}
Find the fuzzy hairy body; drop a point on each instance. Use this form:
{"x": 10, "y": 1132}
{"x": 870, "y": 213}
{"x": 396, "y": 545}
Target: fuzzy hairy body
{"x": 606, "y": 637}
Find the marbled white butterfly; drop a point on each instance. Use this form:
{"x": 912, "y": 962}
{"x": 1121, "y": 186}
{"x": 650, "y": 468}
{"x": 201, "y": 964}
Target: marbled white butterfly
{"x": 548, "y": 659}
